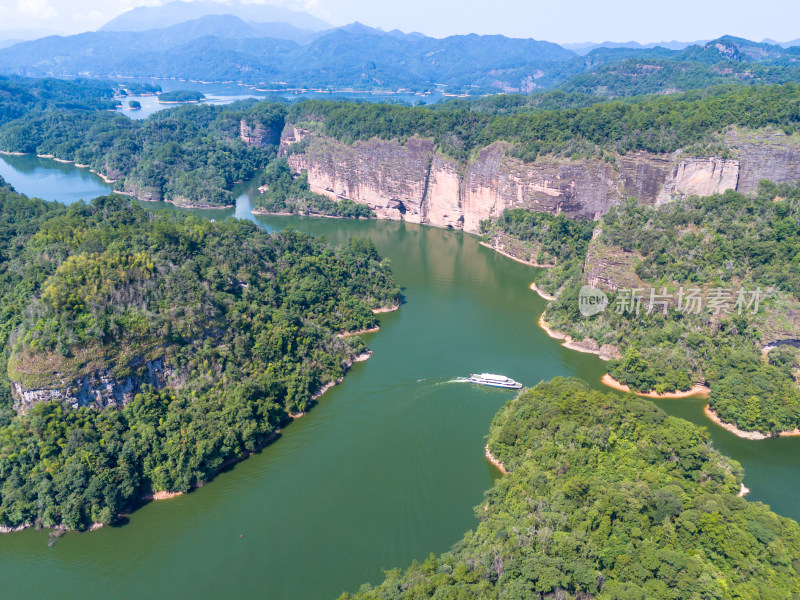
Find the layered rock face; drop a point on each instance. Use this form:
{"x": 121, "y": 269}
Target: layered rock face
{"x": 701, "y": 176}
{"x": 388, "y": 177}
{"x": 97, "y": 390}
{"x": 258, "y": 134}
{"x": 413, "y": 182}
{"x": 779, "y": 164}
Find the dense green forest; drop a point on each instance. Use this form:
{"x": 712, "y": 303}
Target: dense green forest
{"x": 656, "y": 124}
{"x": 719, "y": 246}
{"x": 189, "y": 155}
{"x": 285, "y": 192}
{"x": 19, "y": 96}
{"x": 242, "y": 324}
{"x": 607, "y": 497}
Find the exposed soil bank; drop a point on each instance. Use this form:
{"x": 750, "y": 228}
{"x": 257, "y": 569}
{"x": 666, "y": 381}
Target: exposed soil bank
{"x": 530, "y": 263}
{"x": 501, "y": 467}
{"x": 542, "y": 293}
{"x": 697, "y": 390}
{"x": 603, "y": 352}
{"x": 747, "y": 435}
{"x": 359, "y": 332}
{"x": 377, "y": 311}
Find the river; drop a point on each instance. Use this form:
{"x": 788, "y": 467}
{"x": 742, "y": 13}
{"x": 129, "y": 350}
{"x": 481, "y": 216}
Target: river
{"x": 385, "y": 469}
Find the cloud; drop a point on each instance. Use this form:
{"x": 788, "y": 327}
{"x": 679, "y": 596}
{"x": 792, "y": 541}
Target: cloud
{"x": 36, "y": 9}
{"x": 126, "y": 5}
{"x": 91, "y": 18}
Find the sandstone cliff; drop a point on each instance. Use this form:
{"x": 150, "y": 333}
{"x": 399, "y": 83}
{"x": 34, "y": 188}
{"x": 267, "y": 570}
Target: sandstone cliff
{"x": 254, "y": 132}
{"x": 412, "y": 181}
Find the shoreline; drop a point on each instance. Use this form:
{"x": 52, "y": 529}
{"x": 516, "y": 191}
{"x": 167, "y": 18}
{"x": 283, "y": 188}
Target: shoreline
{"x": 347, "y": 334}
{"x": 697, "y": 390}
{"x": 571, "y": 344}
{"x": 388, "y": 309}
{"x": 747, "y": 435}
{"x": 512, "y": 257}
{"x": 491, "y": 458}
{"x": 7, "y": 153}
{"x": 283, "y": 213}
{"x": 542, "y": 294}
{"x": 103, "y": 177}
{"x": 164, "y": 495}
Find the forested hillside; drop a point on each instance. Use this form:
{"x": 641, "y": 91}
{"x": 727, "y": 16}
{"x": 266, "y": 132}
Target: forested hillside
{"x": 533, "y": 128}
{"x": 193, "y": 155}
{"x": 241, "y": 326}
{"x": 718, "y": 246}
{"x": 607, "y": 497}
{"x": 19, "y": 96}
{"x": 189, "y": 155}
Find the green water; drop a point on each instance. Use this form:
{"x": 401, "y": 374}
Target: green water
{"x": 386, "y": 468}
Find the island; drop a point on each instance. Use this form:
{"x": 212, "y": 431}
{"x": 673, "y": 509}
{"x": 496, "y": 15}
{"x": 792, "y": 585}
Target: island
{"x": 180, "y": 97}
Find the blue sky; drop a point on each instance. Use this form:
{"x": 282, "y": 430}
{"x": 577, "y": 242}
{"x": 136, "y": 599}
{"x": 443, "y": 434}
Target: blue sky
{"x": 558, "y": 21}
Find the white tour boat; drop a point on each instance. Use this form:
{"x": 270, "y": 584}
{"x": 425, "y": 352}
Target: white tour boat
{"x": 494, "y": 380}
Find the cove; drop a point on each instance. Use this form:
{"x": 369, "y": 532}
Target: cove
{"x": 388, "y": 465}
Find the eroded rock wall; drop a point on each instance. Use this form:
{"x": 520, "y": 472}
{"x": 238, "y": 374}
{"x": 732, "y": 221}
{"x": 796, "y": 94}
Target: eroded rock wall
{"x": 779, "y": 164}
{"x": 411, "y": 181}
{"x": 701, "y": 176}
{"x": 260, "y": 135}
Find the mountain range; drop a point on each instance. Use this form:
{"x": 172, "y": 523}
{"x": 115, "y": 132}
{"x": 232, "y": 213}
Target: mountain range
{"x": 144, "y": 18}
{"x": 276, "y": 48}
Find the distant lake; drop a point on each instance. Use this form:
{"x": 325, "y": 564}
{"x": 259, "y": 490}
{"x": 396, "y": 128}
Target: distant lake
{"x": 226, "y": 93}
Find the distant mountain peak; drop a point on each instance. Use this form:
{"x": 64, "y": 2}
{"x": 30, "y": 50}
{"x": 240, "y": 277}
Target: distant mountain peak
{"x": 144, "y": 18}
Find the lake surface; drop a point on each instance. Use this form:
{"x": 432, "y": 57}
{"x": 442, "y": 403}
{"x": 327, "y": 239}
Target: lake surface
{"x": 385, "y": 469}
{"x": 226, "y": 93}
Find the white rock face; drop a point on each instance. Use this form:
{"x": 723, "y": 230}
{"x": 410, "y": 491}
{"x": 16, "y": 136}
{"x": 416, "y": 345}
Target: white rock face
{"x": 701, "y": 176}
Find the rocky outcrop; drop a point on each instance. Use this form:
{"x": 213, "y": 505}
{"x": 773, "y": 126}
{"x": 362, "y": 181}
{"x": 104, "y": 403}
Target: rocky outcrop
{"x": 495, "y": 181}
{"x": 98, "y": 389}
{"x": 411, "y": 181}
{"x": 259, "y": 134}
{"x": 388, "y": 177}
{"x": 701, "y": 176}
{"x": 779, "y": 164}
{"x": 147, "y": 193}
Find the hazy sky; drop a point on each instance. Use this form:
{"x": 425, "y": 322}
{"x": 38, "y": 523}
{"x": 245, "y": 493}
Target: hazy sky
{"x": 554, "y": 20}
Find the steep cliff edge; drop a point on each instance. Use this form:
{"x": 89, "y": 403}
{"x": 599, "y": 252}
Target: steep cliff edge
{"x": 414, "y": 182}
